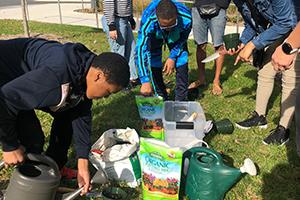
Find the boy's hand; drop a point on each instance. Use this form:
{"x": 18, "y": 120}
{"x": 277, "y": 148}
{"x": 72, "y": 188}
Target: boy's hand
{"x": 282, "y": 61}
{"x": 132, "y": 23}
{"x": 169, "y": 67}
{"x": 146, "y": 89}
{"x": 83, "y": 176}
{"x": 245, "y": 53}
{"x": 13, "y": 157}
{"x": 113, "y": 34}
{"x": 234, "y": 51}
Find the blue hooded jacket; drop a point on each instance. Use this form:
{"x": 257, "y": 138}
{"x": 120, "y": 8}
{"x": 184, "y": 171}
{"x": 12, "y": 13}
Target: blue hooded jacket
{"x": 150, "y": 28}
{"x": 32, "y": 72}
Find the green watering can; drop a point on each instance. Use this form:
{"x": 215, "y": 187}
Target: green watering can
{"x": 207, "y": 177}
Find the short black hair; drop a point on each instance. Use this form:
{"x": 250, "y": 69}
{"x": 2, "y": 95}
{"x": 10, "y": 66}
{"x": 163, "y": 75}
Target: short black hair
{"x": 114, "y": 66}
{"x": 166, "y": 9}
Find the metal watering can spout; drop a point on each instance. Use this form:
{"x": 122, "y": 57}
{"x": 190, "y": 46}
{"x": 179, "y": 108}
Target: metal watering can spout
{"x": 208, "y": 178}
{"x": 99, "y": 177}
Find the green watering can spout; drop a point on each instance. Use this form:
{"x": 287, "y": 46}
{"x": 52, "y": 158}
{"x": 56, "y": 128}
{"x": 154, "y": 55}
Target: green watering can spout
{"x": 208, "y": 178}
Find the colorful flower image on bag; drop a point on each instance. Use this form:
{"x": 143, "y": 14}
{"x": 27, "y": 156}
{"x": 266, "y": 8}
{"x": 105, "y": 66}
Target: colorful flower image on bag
{"x": 150, "y": 111}
{"x": 161, "y": 169}
{"x": 149, "y": 125}
{"x": 167, "y": 186}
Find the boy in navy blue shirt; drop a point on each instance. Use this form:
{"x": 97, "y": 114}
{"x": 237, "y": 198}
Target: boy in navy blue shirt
{"x": 61, "y": 80}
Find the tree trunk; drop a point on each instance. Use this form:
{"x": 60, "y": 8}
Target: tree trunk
{"x": 25, "y": 21}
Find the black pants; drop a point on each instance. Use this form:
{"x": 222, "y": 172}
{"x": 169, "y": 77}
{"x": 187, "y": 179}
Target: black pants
{"x": 181, "y": 90}
{"x": 32, "y": 137}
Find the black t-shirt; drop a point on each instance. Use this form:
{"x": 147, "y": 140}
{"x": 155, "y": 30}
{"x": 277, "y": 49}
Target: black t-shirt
{"x": 222, "y": 3}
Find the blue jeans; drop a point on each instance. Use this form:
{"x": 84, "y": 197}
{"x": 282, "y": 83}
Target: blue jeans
{"x": 125, "y": 43}
{"x": 181, "y": 64}
{"x": 216, "y": 26}
{"x": 181, "y": 90}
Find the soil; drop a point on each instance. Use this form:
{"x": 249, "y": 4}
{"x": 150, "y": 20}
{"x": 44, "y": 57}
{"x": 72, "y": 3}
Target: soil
{"x": 87, "y": 10}
{"x": 35, "y": 35}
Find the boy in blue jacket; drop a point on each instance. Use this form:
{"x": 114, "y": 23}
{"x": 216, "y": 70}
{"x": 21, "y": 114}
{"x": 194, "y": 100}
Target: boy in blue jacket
{"x": 61, "y": 80}
{"x": 164, "y": 22}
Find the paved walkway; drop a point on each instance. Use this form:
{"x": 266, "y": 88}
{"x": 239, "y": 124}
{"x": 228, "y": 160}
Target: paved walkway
{"x": 48, "y": 11}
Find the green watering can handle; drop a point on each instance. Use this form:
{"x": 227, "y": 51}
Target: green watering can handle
{"x": 216, "y": 155}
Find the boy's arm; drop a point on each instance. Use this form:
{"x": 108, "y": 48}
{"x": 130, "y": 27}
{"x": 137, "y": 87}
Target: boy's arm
{"x": 8, "y": 132}
{"x": 283, "y": 24}
{"x": 176, "y": 50}
{"x": 143, "y": 54}
{"x": 35, "y": 89}
{"x": 293, "y": 38}
{"x": 81, "y": 122}
{"x": 282, "y": 61}
{"x": 109, "y": 13}
{"x": 248, "y": 33}
{"x": 82, "y": 127}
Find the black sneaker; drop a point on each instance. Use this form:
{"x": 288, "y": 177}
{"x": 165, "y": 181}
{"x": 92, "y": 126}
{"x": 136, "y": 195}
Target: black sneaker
{"x": 254, "y": 120}
{"x": 278, "y": 136}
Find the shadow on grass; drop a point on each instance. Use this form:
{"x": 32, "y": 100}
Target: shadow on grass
{"x": 228, "y": 70}
{"x": 283, "y": 182}
{"x": 4, "y": 184}
{"x": 251, "y": 74}
{"x": 120, "y": 111}
{"x": 250, "y": 92}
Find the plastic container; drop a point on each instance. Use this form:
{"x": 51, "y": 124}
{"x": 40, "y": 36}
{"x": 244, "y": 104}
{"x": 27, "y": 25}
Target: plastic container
{"x": 231, "y": 40}
{"x": 177, "y": 129}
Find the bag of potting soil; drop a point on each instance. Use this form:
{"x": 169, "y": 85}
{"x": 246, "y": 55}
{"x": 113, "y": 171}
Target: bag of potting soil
{"x": 116, "y": 153}
{"x": 150, "y": 110}
{"x": 161, "y": 169}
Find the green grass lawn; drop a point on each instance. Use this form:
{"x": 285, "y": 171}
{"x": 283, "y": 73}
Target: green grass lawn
{"x": 279, "y": 167}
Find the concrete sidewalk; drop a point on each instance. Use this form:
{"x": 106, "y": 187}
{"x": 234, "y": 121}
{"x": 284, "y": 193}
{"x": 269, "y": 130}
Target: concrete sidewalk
{"x": 48, "y": 11}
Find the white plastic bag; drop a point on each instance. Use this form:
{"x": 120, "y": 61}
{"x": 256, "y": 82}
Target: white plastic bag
{"x": 115, "y": 152}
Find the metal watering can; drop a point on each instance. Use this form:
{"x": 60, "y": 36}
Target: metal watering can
{"x": 38, "y": 178}
{"x": 207, "y": 177}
